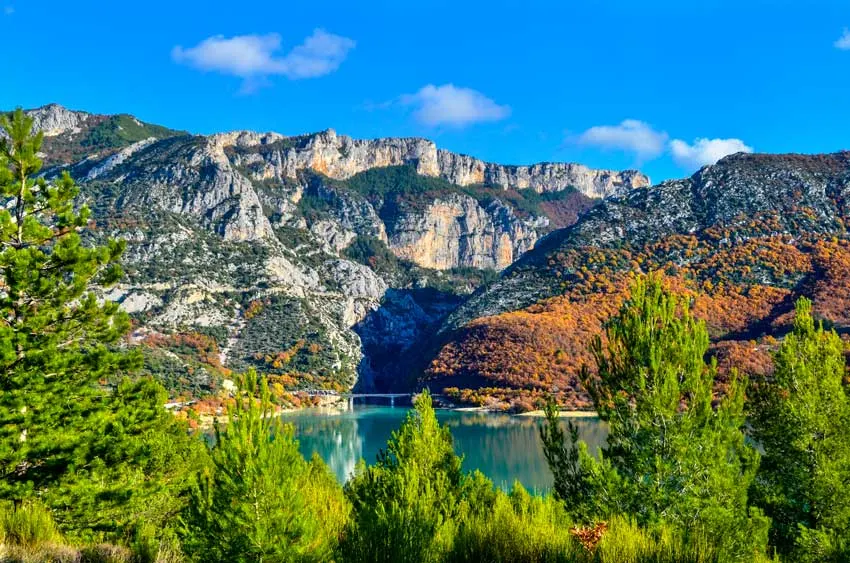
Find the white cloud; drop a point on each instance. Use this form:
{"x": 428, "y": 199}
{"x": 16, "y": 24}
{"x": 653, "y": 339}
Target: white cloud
{"x": 450, "y": 105}
{"x": 9, "y": 10}
{"x": 631, "y": 135}
{"x": 255, "y": 57}
{"x": 705, "y": 151}
{"x": 843, "y": 42}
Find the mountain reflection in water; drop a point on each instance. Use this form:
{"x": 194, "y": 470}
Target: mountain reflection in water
{"x": 503, "y": 447}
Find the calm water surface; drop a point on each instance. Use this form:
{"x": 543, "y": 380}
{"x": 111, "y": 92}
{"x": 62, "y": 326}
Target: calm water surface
{"x": 503, "y": 447}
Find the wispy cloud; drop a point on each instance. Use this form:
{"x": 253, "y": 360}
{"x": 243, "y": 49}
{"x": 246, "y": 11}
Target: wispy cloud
{"x": 9, "y": 10}
{"x": 843, "y": 42}
{"x": 646, "y": 143}
{"x": 452, "y": 105}
{"x": 631, "y": 135}
{"x": 705, "y": 151}
{"x": 256, "y": 57}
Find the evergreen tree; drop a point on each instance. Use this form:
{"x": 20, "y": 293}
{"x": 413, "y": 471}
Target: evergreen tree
{"x": 260, "y": 500}
{"x": 405, "y": 507}
{"x": 675, "y": 453}
{"x": 801, "y": 419}
{"x": 64, "y": 437}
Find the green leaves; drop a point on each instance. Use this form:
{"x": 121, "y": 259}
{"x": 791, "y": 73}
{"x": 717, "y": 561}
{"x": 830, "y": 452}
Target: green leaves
{"x": 671, "y": 456}
{"x": 801, "y": 418}
{"x": 260, "y": 500}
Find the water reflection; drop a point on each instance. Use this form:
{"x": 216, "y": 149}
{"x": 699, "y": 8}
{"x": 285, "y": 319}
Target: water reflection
{"x": 505, "y": 448}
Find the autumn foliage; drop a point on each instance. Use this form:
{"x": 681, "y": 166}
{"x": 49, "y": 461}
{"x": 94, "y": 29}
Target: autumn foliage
{"x": 744, "y": 287}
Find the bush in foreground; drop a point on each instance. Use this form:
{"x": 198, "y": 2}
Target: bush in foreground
{"x": 260, "y": 500}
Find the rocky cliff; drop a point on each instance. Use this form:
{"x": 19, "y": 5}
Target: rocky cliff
{"x": 318, "y": 259}
{"x": 221, "y": 179}
{"x": 341, "y": 157}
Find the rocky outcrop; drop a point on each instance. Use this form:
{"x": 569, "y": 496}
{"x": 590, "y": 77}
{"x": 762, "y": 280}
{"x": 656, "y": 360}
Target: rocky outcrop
{"x": 544, "y": 177}
{"x": 116, "y": 159}
{"x": 190, "y": 176}
{"x": 458, "y": 231}
{"x": 341, "y": 157}
{"x": 55, "y": 120}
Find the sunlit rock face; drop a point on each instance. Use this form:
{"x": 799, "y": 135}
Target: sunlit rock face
{"x": 277, "y": 246}
{"x": 341, "y": 157}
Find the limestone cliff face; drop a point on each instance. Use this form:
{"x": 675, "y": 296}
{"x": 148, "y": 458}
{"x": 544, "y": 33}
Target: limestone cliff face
{"x": 191, "y": 176}
{"x": 458, "y": 231}
{"x": 54, "y": 120}
{"x": 544, "y": 177}
{"x": 340, "y": 157}
{"x": 332, "y": 266}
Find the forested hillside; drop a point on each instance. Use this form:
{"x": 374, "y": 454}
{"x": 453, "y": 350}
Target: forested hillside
{"x": 743, "y": 239}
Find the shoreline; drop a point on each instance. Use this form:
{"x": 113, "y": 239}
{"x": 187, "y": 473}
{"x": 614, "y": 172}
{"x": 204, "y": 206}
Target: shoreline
{"x": 528, "y": 414}
{"x": 333, "y": 407}
{"x": 561, "y": 414}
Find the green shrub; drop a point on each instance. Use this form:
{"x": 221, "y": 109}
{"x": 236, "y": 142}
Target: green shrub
{"x": 514, "y": 527}
{"x": 29, "y": 524}
{"x": 405, "y": 507}
{"x": 261, "y": 501}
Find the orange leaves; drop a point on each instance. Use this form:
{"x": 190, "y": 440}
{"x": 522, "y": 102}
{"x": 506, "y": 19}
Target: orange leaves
{"x": 731, "y": 309}
{"x": 750, "y": 358}
{"x": 831, "y": 296}
{"x": 541, "y": 348}
{"x": 589, "y": 536}
{"x": 254, "y": 308}
{"x": 202, "y": 347}
{"x": 742, "y": 279}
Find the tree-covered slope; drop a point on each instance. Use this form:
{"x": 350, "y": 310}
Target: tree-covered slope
{"x": 751, "y": 234}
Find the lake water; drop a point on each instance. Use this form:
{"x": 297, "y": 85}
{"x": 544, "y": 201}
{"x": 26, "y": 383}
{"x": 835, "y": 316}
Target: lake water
{"x": 505, "y": 448}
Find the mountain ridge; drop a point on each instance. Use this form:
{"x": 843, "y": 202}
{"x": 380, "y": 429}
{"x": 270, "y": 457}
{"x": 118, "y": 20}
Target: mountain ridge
{"x": 324, "y": 261}
{"x": 744, "y": 238}
{"x": 318, "y": 259}
{"x": 460, "y": 169}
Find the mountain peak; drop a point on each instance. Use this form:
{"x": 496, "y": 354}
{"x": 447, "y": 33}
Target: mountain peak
{"x": 54, "y": 119}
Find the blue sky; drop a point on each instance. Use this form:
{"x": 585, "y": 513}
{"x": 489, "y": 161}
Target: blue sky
{"x": 659, "y": 85}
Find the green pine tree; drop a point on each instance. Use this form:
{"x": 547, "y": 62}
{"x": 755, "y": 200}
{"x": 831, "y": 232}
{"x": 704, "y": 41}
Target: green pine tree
{"x": 675, "y": 453}
{"x": 405, "y": 507}
{"x": 99, "y": 458}
{"x": 801, "y": 419}
{"x": 260, "y": 500}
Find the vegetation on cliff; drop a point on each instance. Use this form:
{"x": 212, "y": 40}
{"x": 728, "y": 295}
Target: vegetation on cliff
{"x": 743, "y": 239}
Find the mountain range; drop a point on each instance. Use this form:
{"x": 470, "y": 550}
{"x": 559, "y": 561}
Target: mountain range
{"x": 329, "y": 262}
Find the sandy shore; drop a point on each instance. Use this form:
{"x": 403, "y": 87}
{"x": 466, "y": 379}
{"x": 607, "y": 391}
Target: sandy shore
{"x": 531, "y": 414}
{"x": 561, "y": 414}
{"x": 335, "y": 407}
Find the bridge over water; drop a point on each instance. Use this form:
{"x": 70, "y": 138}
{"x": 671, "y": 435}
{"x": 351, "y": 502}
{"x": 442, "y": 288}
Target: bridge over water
{"x": 390, "y": 398}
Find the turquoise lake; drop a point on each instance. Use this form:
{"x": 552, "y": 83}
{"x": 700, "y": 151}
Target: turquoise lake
{"x": 506, "y": 448}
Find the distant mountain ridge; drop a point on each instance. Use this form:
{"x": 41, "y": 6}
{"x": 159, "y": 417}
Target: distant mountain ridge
{"x": 318, "y": 259}
{"x": 340, "y": 157}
